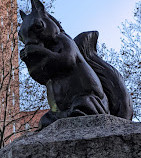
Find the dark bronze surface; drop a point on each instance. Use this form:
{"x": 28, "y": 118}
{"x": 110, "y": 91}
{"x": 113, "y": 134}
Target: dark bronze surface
{"x": 81, "y": 82}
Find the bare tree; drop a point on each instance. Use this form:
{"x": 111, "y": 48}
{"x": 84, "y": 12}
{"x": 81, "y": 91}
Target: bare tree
{"x": 128, "y": 60}
{"x": 17, "y": 115}
{"x": 130, "y": 54}
{"x": 8, "y": 66}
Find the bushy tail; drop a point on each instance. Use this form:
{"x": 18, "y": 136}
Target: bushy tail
{"x": 120, "y": 103}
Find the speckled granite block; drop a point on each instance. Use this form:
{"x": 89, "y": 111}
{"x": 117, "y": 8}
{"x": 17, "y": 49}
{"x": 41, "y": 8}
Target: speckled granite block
{"x": 96, "y": 136}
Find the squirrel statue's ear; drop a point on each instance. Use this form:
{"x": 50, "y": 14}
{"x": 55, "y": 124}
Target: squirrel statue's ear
{"x": 23, "y": 15}
{"x": 36, "y": 4}
{"x": 33, "y": 5}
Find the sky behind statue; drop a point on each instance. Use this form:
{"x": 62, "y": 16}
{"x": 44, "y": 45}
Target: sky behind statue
{"x": 105, "y": 16}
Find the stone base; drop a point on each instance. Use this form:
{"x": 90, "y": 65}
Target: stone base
{"x": 97, "y": 136}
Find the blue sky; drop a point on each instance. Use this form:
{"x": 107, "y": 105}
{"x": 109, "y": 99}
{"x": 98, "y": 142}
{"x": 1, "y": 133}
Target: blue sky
{"x": 103, "y": 15}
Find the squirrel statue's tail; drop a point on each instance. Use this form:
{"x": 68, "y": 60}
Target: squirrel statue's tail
{"x": 120, "y": 102}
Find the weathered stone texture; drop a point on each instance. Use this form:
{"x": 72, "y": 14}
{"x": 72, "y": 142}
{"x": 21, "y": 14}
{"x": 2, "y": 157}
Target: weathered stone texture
{"x": 97, "y": 136}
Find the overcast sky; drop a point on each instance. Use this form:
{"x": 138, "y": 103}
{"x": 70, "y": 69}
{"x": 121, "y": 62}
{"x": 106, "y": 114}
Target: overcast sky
{"x": 103, "y": 15}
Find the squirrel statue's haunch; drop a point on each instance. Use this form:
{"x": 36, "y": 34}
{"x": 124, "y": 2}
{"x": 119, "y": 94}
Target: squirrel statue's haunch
{"x": 81, "y": 82}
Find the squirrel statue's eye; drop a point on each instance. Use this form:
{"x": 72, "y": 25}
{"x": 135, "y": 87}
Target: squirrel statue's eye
{"x": 38, "y": 26}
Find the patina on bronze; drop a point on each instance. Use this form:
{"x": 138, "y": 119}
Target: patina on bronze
{"x": 81, "y": 82}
